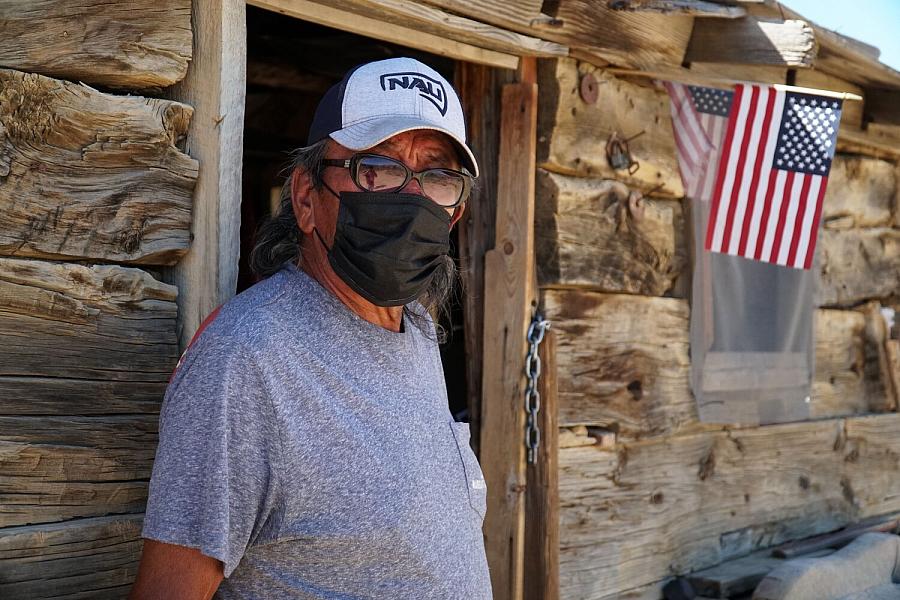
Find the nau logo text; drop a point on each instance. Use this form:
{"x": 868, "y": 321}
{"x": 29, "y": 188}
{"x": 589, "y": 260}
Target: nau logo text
{"x": 430, "y": 89}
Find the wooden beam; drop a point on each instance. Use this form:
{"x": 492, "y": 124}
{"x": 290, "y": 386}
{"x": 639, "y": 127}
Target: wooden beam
{"x": 58, "y": 468}
{"x": 140, "y": 44}
{"x": 85, "y": 322}
{"x": 387, "y": 31}
{"x": 215, "y": 86}
{"x": 87, "y": 558}
{"x": 574, "y": 133}
{"x": 480, "y": 89}
{"x": 623, "y": 363}
{"x": 62, "y": 396}
{"x": 594, "y": 31}
{"x": 857, "y": 265}
{"x": 76, "y": 168}
{"x": 427, "y": 19}
{"x": 542, "y": 494}
{"x": 693, "y": 8}
{"x": 517, "y": 16}
{"x": 509, "y": 299}
{"x": 717, "y": 495}
{"x": 598, "y": 234}
{"x": 861, "y": 192}
{"x": 751, "y": 41}
{"x": 844, "y": 57}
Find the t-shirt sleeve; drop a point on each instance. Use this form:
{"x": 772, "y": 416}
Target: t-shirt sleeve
{"x": 214, "y": 483}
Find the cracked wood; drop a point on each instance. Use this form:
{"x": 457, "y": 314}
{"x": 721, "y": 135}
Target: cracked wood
{"x": 691, "y": 501}
{"x": 90, "y": 175}
{"x": 139, "y": 44}
{"x": 623, "y": 363}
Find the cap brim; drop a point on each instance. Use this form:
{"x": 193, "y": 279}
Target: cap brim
{"x": 371, "y": 132}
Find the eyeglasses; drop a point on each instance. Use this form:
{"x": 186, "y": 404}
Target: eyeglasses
{"x": 375, "y": 173}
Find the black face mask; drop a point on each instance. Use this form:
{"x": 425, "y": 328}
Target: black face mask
{"x": 387, "y": 246}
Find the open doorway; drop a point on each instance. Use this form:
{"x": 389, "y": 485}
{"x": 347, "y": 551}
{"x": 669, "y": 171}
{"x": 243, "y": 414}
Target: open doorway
{"x": 291, "y": 63}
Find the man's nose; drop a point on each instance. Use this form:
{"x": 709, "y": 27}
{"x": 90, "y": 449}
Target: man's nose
{"x": 413, "y": 187}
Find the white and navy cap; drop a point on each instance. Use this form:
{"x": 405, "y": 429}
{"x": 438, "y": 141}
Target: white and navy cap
{"x": 380, "y": 99}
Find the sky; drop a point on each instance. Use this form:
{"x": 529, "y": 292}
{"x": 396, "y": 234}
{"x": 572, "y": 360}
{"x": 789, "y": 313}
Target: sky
{"x": 875, "y": 22}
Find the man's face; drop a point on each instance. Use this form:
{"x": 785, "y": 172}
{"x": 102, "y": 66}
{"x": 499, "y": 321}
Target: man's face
{"x": 417, "y": 149}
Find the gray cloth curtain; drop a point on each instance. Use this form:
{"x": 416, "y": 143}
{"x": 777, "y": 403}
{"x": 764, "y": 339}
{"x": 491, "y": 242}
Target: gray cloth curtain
{"x": 752, "y": 350}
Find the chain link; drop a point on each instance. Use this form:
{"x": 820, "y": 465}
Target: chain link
{"x": 536, "y": 332}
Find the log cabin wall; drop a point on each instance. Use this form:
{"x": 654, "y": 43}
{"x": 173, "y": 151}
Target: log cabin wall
{"x": 646, "y": 491}
{"x": 95, "y": 198}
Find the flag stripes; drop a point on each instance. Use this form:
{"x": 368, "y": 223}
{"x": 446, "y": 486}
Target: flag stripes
{"x": 772, "y": 175}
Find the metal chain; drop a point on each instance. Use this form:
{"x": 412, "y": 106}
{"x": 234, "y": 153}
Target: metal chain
{"x": 536, "y": 331}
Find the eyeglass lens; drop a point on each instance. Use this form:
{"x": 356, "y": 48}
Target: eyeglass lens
{"x": 382, "y": 174}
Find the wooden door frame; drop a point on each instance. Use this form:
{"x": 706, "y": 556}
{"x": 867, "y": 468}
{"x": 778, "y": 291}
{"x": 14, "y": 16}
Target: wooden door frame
{"x": 498, "y": 239}
{"x": 215, "y": 86}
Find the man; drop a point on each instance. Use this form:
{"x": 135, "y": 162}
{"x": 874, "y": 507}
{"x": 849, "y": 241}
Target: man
{"x": 306, "y": 445}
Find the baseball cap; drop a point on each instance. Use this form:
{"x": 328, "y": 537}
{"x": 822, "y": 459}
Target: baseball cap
{"x": 380, "y": 99}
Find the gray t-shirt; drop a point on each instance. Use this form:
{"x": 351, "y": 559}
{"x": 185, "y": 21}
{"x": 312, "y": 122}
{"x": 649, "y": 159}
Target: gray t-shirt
{"x": 314, "y": 454}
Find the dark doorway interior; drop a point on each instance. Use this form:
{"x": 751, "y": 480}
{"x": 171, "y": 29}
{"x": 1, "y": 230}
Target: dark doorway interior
{"x": 290, "y": 65}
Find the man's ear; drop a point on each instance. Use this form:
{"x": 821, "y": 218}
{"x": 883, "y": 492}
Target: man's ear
{"x": 301, "y": 200}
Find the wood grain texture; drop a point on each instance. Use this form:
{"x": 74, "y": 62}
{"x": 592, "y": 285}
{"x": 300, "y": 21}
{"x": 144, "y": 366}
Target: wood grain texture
{"x": 86, "y": 322}
{"x": 91, "y": 175}
{"x": 747, "y": 40}
{"x": 621, "y": 38}
{"x": 47, "y": 395}
{"x": 692, "y": 501}
{"x": 694, "y": 8}
{"x": 861, "y": 188}
{"x": 57, "y": 468}
{"x": 518, "y": 15}
{"x": 573, "y": 134}
{"x": 215, "y": 85}
{"x": 508, "y": 296}
{"x": 480, "y": 90}
{"x": 623, "y": 363}
{"x": 387, "y": 30}
{"x": 542, "y": 494}
{"x": 139, "y": 44}
{"x": 424, "y": 18}
{"x": 597, "y": 234}
{"x": 79, "y": 559}
{"x": 857, "y": 265}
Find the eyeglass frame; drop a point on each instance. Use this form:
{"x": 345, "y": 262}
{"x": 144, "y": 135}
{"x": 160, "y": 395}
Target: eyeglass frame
{"x": 352, "y": 162}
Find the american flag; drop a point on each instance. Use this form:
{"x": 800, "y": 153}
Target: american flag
{"x": 699, "y": 119}
{"x": 772, "y": 174}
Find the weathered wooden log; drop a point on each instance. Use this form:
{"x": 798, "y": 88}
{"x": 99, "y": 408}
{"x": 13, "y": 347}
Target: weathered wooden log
{"x": 85, "y": 322}
{"x": 518, "y": 16}
{"x": 861, "y": 192}
{"x": 751, "y": 41}
{"x": 595, "y": 233}
{"x": 139, "y": 44}
{"x": 91, "y": 175}
{"x": 84, "y": 558}
{"x": 623, "y": 363}
{"x": 648, "y": 510}
{"x": 57, "y": 468}
{"x": 857, "y": 265}
{"x": 573, "y": 134}
{"x": 52, "y": 396}
{"x": 605, "y": 35}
